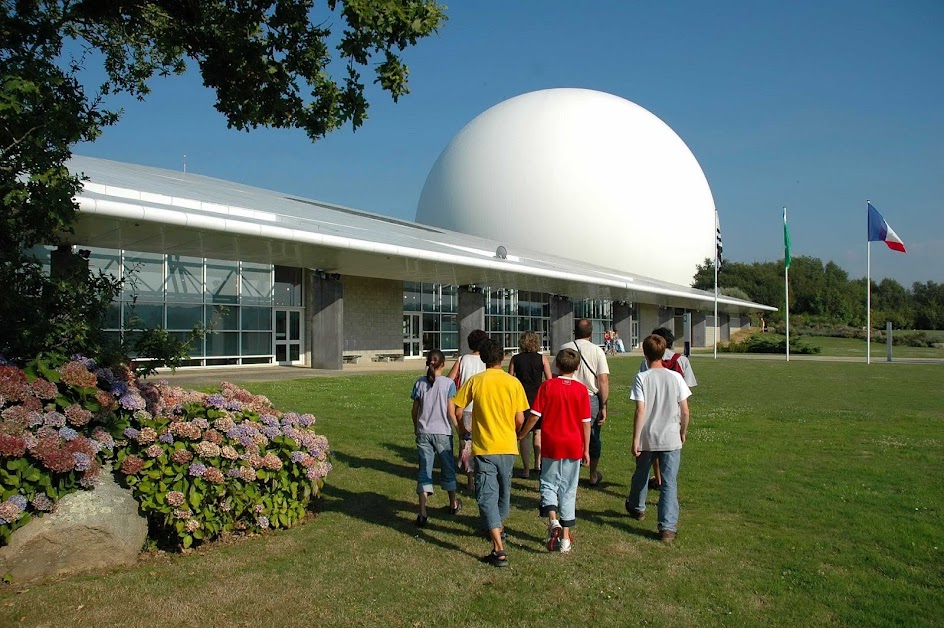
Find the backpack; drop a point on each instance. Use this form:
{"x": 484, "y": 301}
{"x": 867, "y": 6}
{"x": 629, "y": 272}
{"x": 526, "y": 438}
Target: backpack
{"x": 673, "y": 364}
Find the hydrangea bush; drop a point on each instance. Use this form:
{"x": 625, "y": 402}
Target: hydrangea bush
{"x": 200, "y": 465}
{"x": 53, "y": 437}
{"x": 206, "y": 464}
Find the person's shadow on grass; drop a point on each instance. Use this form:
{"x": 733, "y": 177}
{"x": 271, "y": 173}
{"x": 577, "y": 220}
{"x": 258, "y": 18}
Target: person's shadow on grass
{"x": 384, "y": 466}
{"x": 381, "y": 510}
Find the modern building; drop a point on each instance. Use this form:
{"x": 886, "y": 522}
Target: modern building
{"x": 290, "y": 280}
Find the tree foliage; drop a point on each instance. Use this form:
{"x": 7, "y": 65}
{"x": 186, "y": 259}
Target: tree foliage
{"x": 823, "y": 292}
{"x": 276, "y": 63}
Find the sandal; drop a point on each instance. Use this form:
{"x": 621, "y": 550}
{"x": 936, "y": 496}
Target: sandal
{"x": 593, "y": 484}
{"x": 421, "y": 521}
{"x": 496, "y": 559}
{"x": 454, "y": 510}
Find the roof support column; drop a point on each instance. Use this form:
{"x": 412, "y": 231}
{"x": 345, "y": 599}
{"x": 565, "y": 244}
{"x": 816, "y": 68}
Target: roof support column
{"x": 324, "y": 309}
{"x": 623, "y": 322}
{"x": 650, "y": 317}
{"x": 699, "y": 325}
{"x": 471, "y": 314}
{"x": 562, "y": 323}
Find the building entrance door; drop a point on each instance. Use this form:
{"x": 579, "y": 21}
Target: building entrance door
{"x": 411, "y": 336}
{"x": 289, "y": 347}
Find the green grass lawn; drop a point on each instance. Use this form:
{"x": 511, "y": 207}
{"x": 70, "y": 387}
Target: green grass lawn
{"x": 853, "y": 347}
{"x": 810, "y": 494}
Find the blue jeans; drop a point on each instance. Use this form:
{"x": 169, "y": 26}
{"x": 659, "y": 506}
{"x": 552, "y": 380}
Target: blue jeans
{"x": 668, "y": 495}
{"x": 559, "y": 489}
{"x": 428, "y": 446}
{"x": 493, "y": 488}
{"x": 596, "y": 445}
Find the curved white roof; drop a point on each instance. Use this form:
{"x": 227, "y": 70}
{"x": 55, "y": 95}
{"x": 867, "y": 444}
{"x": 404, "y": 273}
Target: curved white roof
{"x": 151, "y": 209}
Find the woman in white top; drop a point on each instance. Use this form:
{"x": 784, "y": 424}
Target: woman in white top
{"x": 465, "y": 367}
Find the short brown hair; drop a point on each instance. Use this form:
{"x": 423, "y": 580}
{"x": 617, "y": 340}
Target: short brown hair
{"x": 529, "y": 342}
{"x": 567, "y": 361}
{"x": 653, "y": 347}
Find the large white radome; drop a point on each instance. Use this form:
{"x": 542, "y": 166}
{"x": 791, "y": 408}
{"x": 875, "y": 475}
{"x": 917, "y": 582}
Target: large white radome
{"x": 581, "y": 174}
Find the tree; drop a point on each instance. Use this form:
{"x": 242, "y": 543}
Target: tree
{"x": 270, "y": 62}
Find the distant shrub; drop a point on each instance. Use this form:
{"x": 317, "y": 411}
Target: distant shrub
{"x": 907, "y": 339}
{"x": 768, "y": 343}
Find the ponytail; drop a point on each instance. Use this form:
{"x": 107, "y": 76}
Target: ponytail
{"x": 434, "y": 360}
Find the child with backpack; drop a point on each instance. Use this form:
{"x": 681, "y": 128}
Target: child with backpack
{"x": 681, "y": 365}
{"x": 433, "y": 424}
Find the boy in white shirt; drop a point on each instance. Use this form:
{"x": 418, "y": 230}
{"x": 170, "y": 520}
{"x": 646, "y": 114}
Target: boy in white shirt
{"x": 660, "y": 425}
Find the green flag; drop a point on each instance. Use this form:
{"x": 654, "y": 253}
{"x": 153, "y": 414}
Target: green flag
{"x": 786, "y": 241}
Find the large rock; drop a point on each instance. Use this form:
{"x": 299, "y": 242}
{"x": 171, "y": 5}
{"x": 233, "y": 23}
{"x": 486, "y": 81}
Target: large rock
{"x": 90, "y": 530}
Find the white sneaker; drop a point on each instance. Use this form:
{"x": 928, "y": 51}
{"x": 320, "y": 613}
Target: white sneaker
{"x": 554, "y": 531}
{"x": 566, "y": 545}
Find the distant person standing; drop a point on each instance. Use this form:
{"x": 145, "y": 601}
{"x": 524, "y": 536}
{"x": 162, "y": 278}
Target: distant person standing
{"x": 674, "y": 362}
{"x": 660, "y": 425}
{"x": 618, "y": 343}
{"x": 594, "y": 373}
{"x": 530, "y": 368}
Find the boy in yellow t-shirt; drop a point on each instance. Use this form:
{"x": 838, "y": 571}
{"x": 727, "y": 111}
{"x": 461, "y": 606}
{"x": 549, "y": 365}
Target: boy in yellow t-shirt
{"x": 497, "y": 414}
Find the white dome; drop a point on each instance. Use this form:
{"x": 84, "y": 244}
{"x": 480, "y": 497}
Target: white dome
{"x": 580, "y": 174}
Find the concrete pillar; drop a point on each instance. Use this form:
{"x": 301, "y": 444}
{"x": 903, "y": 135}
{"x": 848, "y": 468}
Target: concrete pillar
{"x": 64, "y": 264}
{"x": 666, "y": 318}
{"x": 648, "y": 319}
{"x": 623, "y": 322}
{"x": 324, "y": 309}
{"x": 471, "y": 314}
{"x": 725, "y": 326}
{"x": 699, "y": 329}
{"x": 562, "y": 323}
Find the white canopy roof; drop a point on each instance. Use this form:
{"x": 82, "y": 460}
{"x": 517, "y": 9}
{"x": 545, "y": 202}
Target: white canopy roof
{"x": 151, "y": 209}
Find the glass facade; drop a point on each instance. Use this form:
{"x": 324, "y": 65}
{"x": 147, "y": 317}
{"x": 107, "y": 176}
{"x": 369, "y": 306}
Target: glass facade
{"x": 233, "y": 300}
{"x": 430, "y": 318}
{"x": 599, "y": 312}
{"x": 508, "y": 313}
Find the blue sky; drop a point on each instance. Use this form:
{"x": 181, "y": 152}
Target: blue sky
{"x": 814, "y": 105}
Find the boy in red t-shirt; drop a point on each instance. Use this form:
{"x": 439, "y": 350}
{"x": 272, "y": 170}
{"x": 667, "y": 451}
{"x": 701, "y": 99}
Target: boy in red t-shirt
{"x": 563, "y": 405}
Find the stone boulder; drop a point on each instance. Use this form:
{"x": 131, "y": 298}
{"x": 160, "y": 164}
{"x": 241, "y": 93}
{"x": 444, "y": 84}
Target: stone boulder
{"x": 89, "y": 531}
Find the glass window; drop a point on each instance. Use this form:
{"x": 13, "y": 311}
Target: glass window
{"x": 113, "y": 316}
{"x": 222, "y": 318}
{"x": 107, "y": 261}
{"x": 288, "y": 286}
{"x": 257, "y": 343}
{"x": 184, "y": 316}
{"x": 222, "y": 343}
{"x": 222, "y": 281}
{"x": 184, "y": 279}
{"x": 256, "y": 284}
{"x": 144, "y": 276}
{"x": 143, "y": 316}
{"x": 256, "y": 318}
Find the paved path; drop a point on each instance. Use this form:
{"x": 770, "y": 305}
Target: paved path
{"x": 209, "y": 376}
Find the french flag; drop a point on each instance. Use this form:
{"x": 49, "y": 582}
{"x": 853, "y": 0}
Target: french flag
{"x": 879, "y": 231}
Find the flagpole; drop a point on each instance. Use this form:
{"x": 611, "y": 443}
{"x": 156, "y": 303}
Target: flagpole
{"x": 717, "y": 327}
{"x": 868, "y": 289}
{"x": 786, "y": 289}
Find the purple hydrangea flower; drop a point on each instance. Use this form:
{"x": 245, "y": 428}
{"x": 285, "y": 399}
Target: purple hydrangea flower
{"x": 82, "y": 461}
{"x": 89, "y": 363}
{"x": 131, "y": 401}
{"x": 197, "y": 469}
{"x": 233, "y": 472}
{"x": 202, "y": 423}
{"x": 35, "y": 419}
{"x": 216, "y": 400}
{"x": 19, "y": 500}
{"x": 246, "y": 441}
{"x": 105, "y": 375}
{"x": 131, "y": 433}
{"x": 54, "y": 419}
{"x": 306, "y": 420}
{"x": 268, "y": 419}
{"x": 234, "y": 405}
{"x": 271, "y": 431}
{"x": 297, "y": 456}
{"x": 68, "y": 433}
{"x": 119, "y": 388}
{"x": 263, "y": 521}
{"x": 167, "y": 438}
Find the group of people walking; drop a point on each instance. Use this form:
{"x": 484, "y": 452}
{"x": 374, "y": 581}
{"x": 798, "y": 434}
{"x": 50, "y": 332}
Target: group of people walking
{"x": 557, "y": 411}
